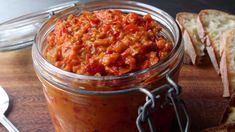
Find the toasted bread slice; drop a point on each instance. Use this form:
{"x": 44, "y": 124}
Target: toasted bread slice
{"x": 212, "y": 24}
{"x": 194, "y": 48}
{"x": 187, "y": 59}
{"x": 227, "y": 64}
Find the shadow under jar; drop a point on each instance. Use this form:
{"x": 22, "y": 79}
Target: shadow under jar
{"x": 111, "y": 103}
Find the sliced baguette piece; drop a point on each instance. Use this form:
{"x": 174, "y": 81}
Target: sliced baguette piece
{"x": 194, "y": 48}
{"x": 187, "y": 59}
{"x": 212, "y": 24}
{"x": 227, "y": 64}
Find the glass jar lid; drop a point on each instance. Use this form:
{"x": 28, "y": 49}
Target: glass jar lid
{"x": 19, "y": 32}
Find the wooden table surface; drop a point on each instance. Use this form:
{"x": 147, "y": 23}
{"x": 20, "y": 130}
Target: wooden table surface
{"x": 202, "y": 92}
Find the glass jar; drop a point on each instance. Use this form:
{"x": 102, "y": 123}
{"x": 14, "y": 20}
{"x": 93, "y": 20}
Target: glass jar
{"x": 111, "y": 103}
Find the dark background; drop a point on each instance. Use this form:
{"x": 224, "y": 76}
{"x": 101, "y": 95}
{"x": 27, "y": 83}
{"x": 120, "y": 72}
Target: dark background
{"x": 174, "y": 6}
{"x": 13, "y": 8}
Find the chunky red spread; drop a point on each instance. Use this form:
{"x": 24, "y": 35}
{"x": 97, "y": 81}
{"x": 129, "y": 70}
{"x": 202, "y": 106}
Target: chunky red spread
{"x": 106, "y": 42}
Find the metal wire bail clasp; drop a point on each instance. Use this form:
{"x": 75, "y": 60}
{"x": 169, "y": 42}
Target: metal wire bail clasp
{"x": 173, "y": 91}
{"x": 178, "y": 104}
{"x": 145, "y": 110}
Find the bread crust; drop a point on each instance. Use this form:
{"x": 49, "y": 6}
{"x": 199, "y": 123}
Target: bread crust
{"x": 224, "y": 67}
{"x": 200, "y": 29}
{"x": 180, "y": 20}
{"x": 226, "y": 73}
{"x": 187, "y": 59}
{"x": 214, "y": 55}
{"x": 228, "y": 36}
{"x": 190, "y": 47}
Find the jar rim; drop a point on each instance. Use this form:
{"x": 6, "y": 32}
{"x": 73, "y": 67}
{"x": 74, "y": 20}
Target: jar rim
{"x": 54, "y": 69}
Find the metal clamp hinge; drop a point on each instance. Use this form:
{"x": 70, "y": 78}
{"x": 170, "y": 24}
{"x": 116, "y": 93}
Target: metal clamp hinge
{"x": 173, "y": 91}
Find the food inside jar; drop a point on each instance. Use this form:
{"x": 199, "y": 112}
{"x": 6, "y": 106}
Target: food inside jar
{"x": 106, "y": 42}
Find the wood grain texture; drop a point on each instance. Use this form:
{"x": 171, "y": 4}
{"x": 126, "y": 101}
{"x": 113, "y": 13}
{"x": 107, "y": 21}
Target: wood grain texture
{"x": 28, "y": 109}
{"x": 202, "y": 92}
